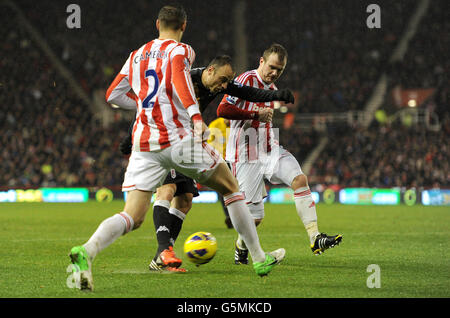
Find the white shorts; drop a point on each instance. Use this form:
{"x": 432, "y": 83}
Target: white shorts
{"x": 147, "y": 170}
{"x": 279, "y": 170}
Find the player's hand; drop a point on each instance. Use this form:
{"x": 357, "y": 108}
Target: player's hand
{"x": 265, "y": 115}
{"x": 201, "y": 131}
{"x": 125, "y": 145}
{"x": 285, "y": 95}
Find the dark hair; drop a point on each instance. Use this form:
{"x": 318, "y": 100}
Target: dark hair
{"x": 277, "y": 49}
{"x": 220, "y": 61}
{"x": 172, "y": 16}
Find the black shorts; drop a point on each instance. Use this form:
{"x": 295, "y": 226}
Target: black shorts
{"x": 184, "y": 184}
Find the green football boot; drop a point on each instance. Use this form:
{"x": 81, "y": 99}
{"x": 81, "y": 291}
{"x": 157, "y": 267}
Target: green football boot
{"x": 273, "y": 258}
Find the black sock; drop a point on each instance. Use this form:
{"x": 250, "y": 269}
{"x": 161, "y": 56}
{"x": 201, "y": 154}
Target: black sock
{"x": 175, "y": 227}
{"x": 162, "y": 222}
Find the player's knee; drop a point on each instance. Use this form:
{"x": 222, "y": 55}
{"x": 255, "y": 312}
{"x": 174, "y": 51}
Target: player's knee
{"x": 230, "y": 186}
{"x": 223, "y": 181}
{"x": 300, "y": 181}
{"x": 257, "y": 211}
{"x": 137, "y": 224}
{"x": 137, "y": 220}
{"x": 227, "y": 187}
{"x": 233, "y": 187}
{"x": 185, "y": 206}
{"x": 137, "y": 205}
{"x": 166, "y": 192}
{"x": 183, "y": 202}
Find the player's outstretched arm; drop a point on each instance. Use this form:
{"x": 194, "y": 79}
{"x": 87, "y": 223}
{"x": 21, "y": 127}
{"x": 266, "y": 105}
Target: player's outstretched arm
{"x": 253, "y": 94}
{"x": 231, "y": 111}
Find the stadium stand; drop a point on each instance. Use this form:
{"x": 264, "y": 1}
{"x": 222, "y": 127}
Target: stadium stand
{"x": 426, "y": 64}
{"x": 52, "y": 138}
{"x": 334, "y": 58}
{"x": 48, "y": 134}
{"x": 386, "y": 156}
{"x": 402, "y": 153}
{"x": 108, "y": 33}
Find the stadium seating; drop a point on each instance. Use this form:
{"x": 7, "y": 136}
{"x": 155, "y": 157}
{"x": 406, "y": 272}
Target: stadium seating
{"x": 334, "y": 58}
{"x": 48, "y": 134}
{"x": 51, "y": 138}
{"x": 108, "y": 33}
{"x": 386, "y": 157}
{"x": 400, "y": 155}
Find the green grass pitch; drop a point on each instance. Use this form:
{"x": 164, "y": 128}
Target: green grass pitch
{"x": 409, "y": 244}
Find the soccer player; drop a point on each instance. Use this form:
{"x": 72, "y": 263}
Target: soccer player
{"x": 255, "y": 154}
{"x": 174, "y": 197}
{"x": 158, "y": 74}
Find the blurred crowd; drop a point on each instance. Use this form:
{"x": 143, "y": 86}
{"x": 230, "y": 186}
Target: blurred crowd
{"x": 396, "y": 155}
{"x": 426, "y": 63}
{"x": 335, "y": 60}
{"x": 96, "y": 52}
{"x": 48, "y": 135}
{"x": 51, "y": 138}
{"x": 384, "y": 156}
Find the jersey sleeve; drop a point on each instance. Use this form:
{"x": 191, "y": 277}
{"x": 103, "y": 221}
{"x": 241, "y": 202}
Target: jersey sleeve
{"x": 182, "y": 59}
{"x": 187, "y": 52}
{"x": 249, "y": 93}
{"x": 228, "y": 109}
{"x": 119, "y": 92}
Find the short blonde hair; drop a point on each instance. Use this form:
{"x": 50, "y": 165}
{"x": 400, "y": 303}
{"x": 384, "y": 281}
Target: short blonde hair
{"x": 277, "y": 49}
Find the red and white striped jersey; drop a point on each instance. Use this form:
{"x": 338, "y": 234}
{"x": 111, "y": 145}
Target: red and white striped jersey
{"x": 248, "y": 137}
{"x": 162, "y": 91}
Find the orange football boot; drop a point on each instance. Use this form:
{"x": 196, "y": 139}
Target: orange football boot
{"x": 168, "y": 258}
{"x": 175, "y": 270}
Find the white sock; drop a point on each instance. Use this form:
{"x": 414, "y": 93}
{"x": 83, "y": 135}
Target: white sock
{"x": 163, "y": 203}
{"x": 257, "y": 212}
{"x": 107, "y": 232}
{"x": 240, "y": 243}
{"x": 306, "y": 209}
{"x": 177, "y": 213}
{"x": 244, "y": 225}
